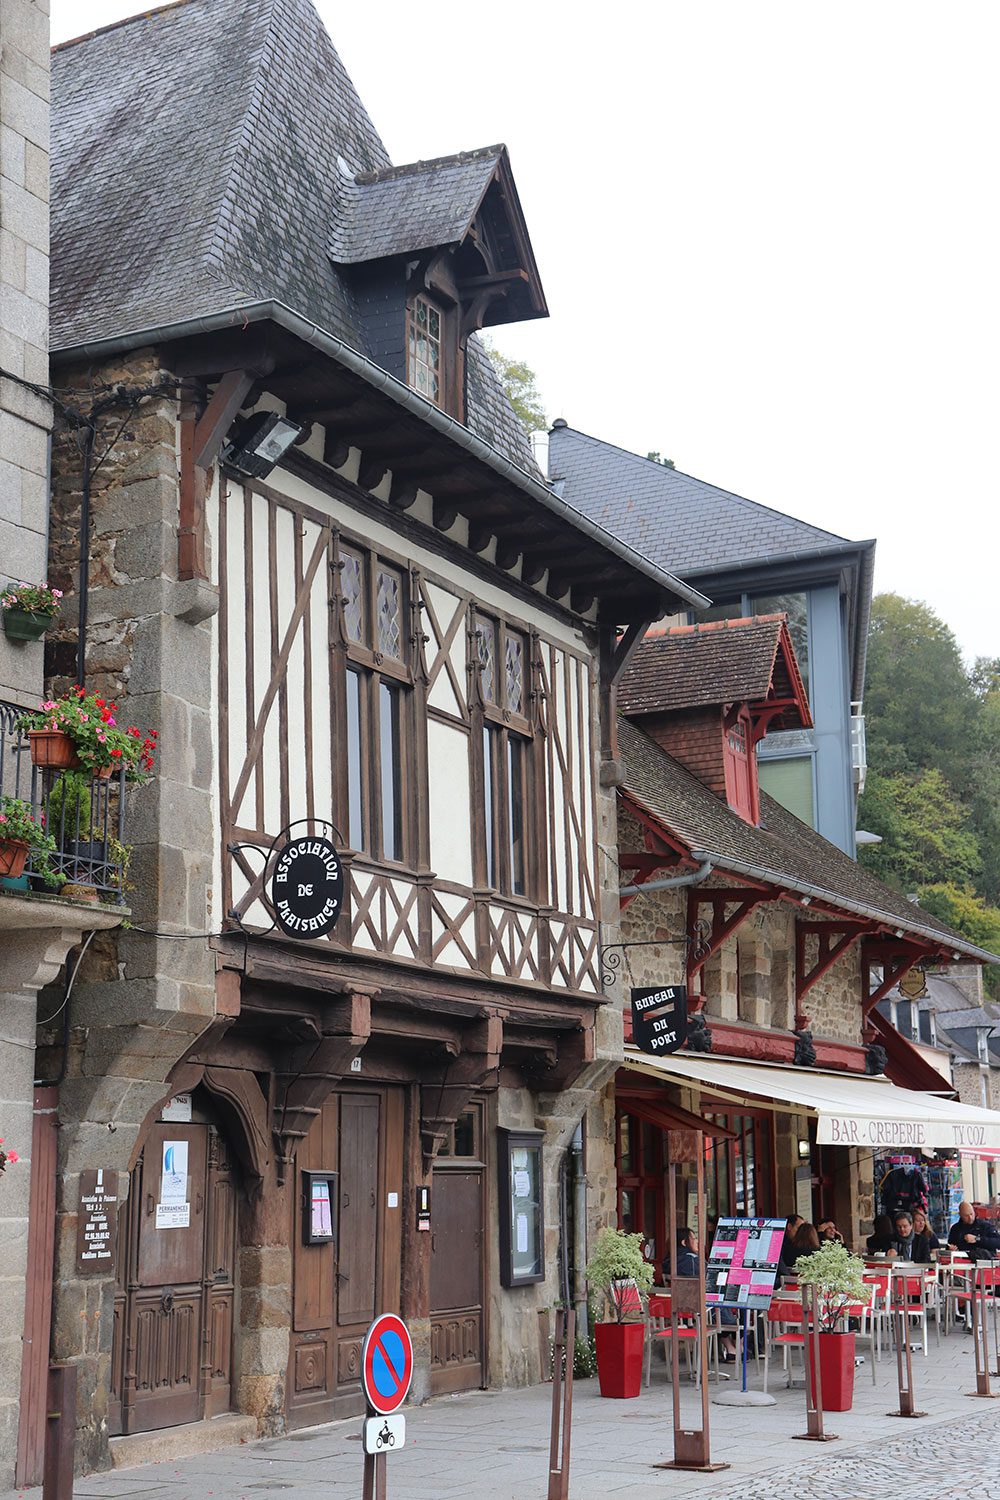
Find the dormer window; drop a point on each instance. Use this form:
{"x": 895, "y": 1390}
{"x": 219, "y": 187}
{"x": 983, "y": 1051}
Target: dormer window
{"x": 425, "y": 367}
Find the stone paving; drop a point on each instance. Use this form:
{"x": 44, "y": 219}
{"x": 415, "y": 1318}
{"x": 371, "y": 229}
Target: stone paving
{"x": 494, "y": 1444}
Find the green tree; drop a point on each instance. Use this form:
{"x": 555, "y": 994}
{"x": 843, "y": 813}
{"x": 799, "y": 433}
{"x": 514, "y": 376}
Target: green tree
{"x": 655, "y": 458}
{"x": 518, "y": 381}
{"x": 926, "y": 837}
{"x": 971, "y": 916}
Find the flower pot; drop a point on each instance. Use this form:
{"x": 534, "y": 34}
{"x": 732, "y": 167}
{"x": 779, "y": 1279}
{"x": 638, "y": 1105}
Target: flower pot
{"x": 53, "y": 749}
{"x": 25, "y": 624}
{"x": 105, "y": 773}
{"x": 619, "y": 1358}
{"x": 836, "y": 1365}
{"x": 13, "y": 857}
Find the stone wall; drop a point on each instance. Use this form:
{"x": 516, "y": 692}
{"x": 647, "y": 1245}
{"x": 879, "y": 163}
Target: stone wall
{"x": 24, "y": 312}
{"x": 143, "y": 1000}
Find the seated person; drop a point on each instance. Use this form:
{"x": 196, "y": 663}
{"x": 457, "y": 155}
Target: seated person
{"x": 687, "y": 1265}
{"x": 879, "y": 1242}
{"x": 804, "y": 1241}
{"x": 828, "y": 1233}
{"x": 904, "y": 1245}
{"x": 978, "y": 1238}
{"x": 786, "y": 1259}
{"x": 923, "y": 1232}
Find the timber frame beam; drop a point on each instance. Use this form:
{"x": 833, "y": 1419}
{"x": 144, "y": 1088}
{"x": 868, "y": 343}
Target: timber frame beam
{"x": 832, "y": 941}
{"x": 730, "y": 909}
{"x": 895, "y": 957}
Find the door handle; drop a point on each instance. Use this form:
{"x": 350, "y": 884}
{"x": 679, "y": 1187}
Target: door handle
{"x": 150, "y": 1205}
{"x": 199, "y": 1203}
{"x": 345, "y": 1200}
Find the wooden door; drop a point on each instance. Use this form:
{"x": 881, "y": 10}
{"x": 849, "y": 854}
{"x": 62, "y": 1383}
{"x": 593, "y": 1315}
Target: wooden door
{"x": 457, "y": 1241}
{"x": 339, "y": 1288}
{"x": 173, "y": 1315}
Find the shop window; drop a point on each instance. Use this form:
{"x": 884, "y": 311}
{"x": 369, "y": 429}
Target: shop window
{"x": 378, "y": 728}
{"x": 641, "y": 1166}
{"x": 522, "y": 1225}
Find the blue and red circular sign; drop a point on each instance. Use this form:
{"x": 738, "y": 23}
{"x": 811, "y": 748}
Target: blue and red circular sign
{"x": 387, "y": 1364}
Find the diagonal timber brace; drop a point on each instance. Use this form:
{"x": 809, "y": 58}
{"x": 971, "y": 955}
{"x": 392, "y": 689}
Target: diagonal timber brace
{"x": 832, "y": 941}
{"x": 894, "y": 958}
{"x": 730, "y": 909}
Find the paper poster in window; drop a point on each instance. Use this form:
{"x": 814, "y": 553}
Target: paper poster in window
{"x": 174, "y": 1173}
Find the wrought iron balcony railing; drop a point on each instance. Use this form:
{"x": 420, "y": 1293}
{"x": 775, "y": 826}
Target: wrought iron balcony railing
{"x": 85, "y": 816}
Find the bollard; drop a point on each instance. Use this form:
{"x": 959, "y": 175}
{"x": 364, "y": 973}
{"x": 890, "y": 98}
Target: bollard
{"x": 904, "y": 1360}
{"x": 814, "y": 1376}
{"x": 60, "y": 1433}
{"x": 980, "y": 1332}
{"x": 562, "y": 1404}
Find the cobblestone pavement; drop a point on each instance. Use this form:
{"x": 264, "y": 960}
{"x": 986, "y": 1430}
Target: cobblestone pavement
{"x": 493, "y": 1445}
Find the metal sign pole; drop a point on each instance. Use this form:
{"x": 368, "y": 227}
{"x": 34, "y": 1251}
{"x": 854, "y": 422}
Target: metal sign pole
{"x": 562, "y": 1404}
{"x": 374, "y": 1486}
{"x": 904, "y": 1360}
{"x": 814, "y": 1376}
{"x": 687, "y": 1299}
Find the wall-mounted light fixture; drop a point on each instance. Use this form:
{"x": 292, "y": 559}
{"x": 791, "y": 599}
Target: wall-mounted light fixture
{"x": 803, "y": 1150}
{"x": 258, "y": 442}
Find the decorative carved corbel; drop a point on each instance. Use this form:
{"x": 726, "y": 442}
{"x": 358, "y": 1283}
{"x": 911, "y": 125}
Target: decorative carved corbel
{"x": 303, "y": 1084}
{"x": 474, "y": 1069}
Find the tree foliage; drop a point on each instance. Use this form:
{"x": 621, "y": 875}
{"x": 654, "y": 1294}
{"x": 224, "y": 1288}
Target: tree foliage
{"x": 654, "y": 458}
{"x": 933, "y": 788}
{"x": 518, "y": 381}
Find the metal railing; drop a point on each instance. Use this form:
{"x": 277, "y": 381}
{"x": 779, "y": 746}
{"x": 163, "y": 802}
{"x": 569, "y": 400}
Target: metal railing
{"x": 84, "y": 815}
{"x": 859, "y": 749}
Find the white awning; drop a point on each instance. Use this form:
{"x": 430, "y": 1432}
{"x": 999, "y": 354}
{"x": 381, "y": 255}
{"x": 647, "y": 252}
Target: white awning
{"x": 850, "y": 1110}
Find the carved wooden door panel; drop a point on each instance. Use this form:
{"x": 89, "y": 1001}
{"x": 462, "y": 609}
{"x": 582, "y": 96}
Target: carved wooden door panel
{"x": 173, "y": 1318}
{"x": 335, "y": 1291}
{"x": 457, "y": 1279}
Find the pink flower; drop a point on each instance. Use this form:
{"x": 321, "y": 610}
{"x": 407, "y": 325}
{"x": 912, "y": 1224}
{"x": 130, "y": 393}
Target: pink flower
{"x": 57, "y": 593}
{"x": 84, "y": 717}
{"x": 13, "y": 1156}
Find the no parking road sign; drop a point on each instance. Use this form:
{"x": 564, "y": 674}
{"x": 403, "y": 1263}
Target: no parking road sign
{"x": 387, "y": 1364}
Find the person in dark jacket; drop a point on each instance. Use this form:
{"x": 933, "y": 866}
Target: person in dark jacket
{"x": 904, "y": 1245}
{"x": 880, "y": 1242}
{"x": 978, "y": 1238}
{"x": 928, "y": 1240}
{"x": 687, "y": 1265}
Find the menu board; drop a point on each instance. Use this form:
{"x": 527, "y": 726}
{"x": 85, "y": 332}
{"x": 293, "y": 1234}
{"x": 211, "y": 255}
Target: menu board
{"x": 743, "y": 1263}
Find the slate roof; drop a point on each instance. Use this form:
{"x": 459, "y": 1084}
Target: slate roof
{"x": 401, "y": 209}
{"x": 673, "y": 519}
{"x": 201, "y": 156}
{"x": 782, "y": 849}
{"x": 722, "y": 661}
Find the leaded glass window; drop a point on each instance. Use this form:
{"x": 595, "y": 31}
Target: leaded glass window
{"x": 388, "y": 613}
{"x": 425, "y": 349}
{"x": 486, "y": 649}
{"x": 514, "y": 664}
{"x": 352, "y": 583}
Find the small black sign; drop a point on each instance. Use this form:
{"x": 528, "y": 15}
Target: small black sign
{"x": 307, "y": 888}
{"x": 660, "y": 1018}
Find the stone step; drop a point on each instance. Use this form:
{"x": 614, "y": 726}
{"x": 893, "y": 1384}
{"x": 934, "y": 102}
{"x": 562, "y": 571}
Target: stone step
{"x": 182, "y": 1442}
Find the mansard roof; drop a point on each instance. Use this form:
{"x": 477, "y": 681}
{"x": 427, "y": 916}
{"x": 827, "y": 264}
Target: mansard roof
{"x": 206, "y": 155}
{"x": 720, "y": 662}
{"x": 782, "y": 851}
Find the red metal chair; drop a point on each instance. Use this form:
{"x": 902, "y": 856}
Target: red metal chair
{"x": 786, "y": 1315}
{"x": 658, "y": 1326}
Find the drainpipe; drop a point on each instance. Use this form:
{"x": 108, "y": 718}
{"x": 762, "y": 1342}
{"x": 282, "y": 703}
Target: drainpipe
{"x": 578, "y": 1184}
{"x": 675, "y": 882}
{"x": 89, "y": 434}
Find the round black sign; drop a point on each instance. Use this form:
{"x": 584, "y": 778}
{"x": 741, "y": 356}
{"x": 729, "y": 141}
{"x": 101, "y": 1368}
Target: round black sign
{"x": 307, "y": 888}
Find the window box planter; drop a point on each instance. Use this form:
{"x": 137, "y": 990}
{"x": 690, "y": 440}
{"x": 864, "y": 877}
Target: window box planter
{"x": 13, "y": 857}
{"x": 53, "y": 749}
{"x": 25, "y": 624}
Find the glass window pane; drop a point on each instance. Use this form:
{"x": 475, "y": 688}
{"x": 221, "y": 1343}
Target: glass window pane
{"x": 352, "y": 583}
{"x": 486, "y": 643}
{"x": 488, "y": 807}
{"x": 625, "y": 1143}
{"x": 514, "y": 668}
{"x": 388, "y": 613}
{"x": 516, "y": 803}
{"x": 465, "y": 1135}
{"x": 628, "y": 1213}
{"x": 355, "y": 794}
{"x": 390, "y": 761}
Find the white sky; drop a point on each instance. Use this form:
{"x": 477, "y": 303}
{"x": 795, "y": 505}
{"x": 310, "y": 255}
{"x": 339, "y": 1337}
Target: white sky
{"x": 768, "y": 235}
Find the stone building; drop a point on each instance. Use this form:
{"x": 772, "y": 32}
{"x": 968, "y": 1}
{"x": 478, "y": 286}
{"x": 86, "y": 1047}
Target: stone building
{"x": 324, "y": 567}
{"x": 784, "y": 947}
{"x": 37, "y": 928}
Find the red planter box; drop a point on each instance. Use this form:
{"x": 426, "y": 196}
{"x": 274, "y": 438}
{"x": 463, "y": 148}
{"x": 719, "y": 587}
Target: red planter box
{"x": 619, "y": 1358}
{"x": 836, "y": 1367}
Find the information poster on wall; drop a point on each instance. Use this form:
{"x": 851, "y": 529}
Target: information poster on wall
{"x": 173, "y": 1210}
{"x": 743, "y": 1263}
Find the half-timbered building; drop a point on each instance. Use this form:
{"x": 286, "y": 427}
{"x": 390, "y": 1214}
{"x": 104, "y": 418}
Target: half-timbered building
{"x": 323, "y": 563}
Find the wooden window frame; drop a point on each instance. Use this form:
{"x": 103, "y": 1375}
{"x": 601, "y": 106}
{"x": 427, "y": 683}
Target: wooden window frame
{"x": 447, "y": 349}
{"x": 495, "y": 720}
{"x": 376, "y": 669}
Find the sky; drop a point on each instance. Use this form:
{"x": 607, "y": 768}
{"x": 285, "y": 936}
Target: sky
{"x": 768, "y": 236}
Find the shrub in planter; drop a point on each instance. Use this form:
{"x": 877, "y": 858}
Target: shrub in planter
{"x": 99, "y": 744}
{"x": 838, "y": 1277}
{"x": 23, "y": 837}
{"x": 618, "y": 1259}
{"x": 28, "y": 610}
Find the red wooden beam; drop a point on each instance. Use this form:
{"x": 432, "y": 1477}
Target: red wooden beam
{"x": 723, "y": 925}
{"x": 833, "y": 940}
{"x": 895, "y": 957}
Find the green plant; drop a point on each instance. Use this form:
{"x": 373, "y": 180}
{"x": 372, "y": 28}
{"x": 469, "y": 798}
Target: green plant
{"x": 70, "y": 805}
{"x": 838, "y": 1277}
{"x": 19, "y": 823}
{"x": 91, "y": 724}
{"x": 33, "y": 598}
{"x": 584, "y": 1357}
{"x": 618, "y": 1257}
